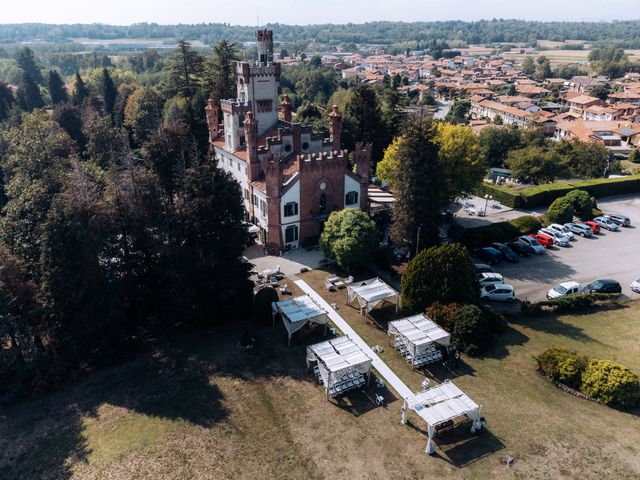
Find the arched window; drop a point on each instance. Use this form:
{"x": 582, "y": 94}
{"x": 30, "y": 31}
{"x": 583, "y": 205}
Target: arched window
{"x": 323, "y": 203}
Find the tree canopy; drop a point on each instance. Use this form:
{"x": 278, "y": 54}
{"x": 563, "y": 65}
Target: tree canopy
{"x": 350, "y": 236}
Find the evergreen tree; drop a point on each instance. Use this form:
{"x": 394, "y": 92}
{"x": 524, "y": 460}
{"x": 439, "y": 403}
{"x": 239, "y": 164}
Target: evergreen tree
{"x": 57, "y": 90}
{"x": 109, "y": 92}
{"x": 363, "y": 121}
{"x": 69, "y": 118}
{"x": 185, "y": 71}
{"x": 29, "y": 96}
{"x": 6, "y": 101}
{"x": 26, "y": 61}
{"x": 220, "y": 70}
{"x": 80, "y": 91}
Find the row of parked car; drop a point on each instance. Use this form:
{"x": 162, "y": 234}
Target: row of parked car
{"x": 492, "y": 284}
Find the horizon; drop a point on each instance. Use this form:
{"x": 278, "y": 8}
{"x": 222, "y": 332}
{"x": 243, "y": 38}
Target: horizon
{"x": 288, "y": 12}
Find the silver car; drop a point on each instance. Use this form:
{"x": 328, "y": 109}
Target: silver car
{"x": 621, "y": 220}
{"x": 581, "y": 229}
{"x": 558, "y": 238}
{"x": 607, "y": 223}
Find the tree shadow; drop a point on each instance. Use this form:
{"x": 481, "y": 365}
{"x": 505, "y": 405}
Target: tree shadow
{"x": 508, "y": 338}
{"x": 459, "y": 447}
{"x": 551, "y": 322}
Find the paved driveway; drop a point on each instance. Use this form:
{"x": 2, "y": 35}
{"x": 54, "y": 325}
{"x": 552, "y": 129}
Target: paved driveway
{"x": 613, "y": 255}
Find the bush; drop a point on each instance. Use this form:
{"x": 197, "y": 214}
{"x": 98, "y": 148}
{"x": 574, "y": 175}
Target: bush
{"x": 582, "y": 203}
{"x": 560, "y": 211}
{"x": 443, "y": 274}
{"x": 562, "y": 365}
{"x": 611, "y": 383}
{"x": 501, "y": 231}
{"x": 471, "y": 332}
{"x": 262, "y": 305}
{"x": 443, "y": 314}
{"x": 497, "y": 322}
{"x": 579, "y": 302}
{"x": 350, "y": 236}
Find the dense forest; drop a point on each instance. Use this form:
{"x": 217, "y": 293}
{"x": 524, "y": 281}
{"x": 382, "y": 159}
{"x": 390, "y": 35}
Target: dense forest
{"x": 484, "y": 31}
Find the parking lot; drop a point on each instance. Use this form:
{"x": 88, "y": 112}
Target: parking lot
{"x": 613, "y": 255}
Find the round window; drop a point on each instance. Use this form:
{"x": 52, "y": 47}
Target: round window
{"x": 305, "y": 146}
{"x": 323, "y": 186}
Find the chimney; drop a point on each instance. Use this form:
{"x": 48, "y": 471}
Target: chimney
{"x": 285, "y": 108}
{"x": 211, "y": 111}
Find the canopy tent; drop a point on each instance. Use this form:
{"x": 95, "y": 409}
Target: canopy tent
{"x": 297, "y": 312}
{"x": 342, "y": 364}
{"x": 416, "y": 337}
{"x": 370, "y": 293}
{"x": 442, "y": 404}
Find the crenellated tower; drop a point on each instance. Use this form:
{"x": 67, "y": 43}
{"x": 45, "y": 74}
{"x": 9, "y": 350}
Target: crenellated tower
{"x": 335, "y": 128}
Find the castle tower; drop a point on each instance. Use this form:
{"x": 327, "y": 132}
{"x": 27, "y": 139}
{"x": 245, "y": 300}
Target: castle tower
{"x": 335, "y": 128}
{"x": 362, "y": 154}
{"x": 251, "y": 137}
{"x": 264, "y": 38}
{"x": 273, "y": 180}
{"x": 285, "y": 108}
{"x": 211, "y": 111}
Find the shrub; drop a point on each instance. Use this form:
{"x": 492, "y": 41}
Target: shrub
{"x": 560, "y": 211}
{"x": 581, "y": 202}
{"x": 562, "y": 365}
{"x": 443, "y": 314}
{"x": 611, "y": 383}
{"x": 579, "y": 302}
{"x": 471, "y": 332}
{"x": 350, "y": 236}
{"x": 444, "y": 273}
{"x": 262, "y": 305}
{"x": 497, "y": 322}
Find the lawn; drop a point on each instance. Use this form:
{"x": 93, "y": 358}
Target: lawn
{"x": 195, "y": 406}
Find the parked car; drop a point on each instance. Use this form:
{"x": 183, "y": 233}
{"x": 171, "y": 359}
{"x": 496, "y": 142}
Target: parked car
{"x": 607, "y": 223}
{"x": 521, "y": 248}
{"x": 603, "y": 286}
{"x": 508, "y": 254}
{"x": 489, "y": 255}
{"x": 621, "y": 220}
{"x": 558, "y": 238}
{"x": 545, "y": 240}
{"x": 482, "y": 268}
{"x": 595, "y": 228}
{"x": 579, "y": 228}
{"x": 564, "y": 289}
{"x": 561, "y": 229}
{"x": 533, "y": 243}
{"x": 487, "y": 278}
{"x": 498, "y": 292}
{"x": 635, "y": 285}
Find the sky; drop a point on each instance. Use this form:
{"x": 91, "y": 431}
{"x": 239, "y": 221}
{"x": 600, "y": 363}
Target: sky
{"x": 302, "y": 12}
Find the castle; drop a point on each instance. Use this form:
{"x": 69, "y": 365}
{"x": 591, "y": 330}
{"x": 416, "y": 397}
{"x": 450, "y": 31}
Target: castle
{"x": 292, "y": 178}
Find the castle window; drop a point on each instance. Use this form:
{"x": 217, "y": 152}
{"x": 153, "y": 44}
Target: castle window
{"x": 264, "y": 105}
{"x": 305, "y": 146}
{"x": 351, "y": 198}
{"x": 323, "y": 203}
{"x": 290, "y": 209}
{"x": 291, "y": 234}
{"x": 287, "y": 148}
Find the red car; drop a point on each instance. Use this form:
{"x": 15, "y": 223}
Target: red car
{"x": 595, "y": 228}
{"x": 544, "y": 240}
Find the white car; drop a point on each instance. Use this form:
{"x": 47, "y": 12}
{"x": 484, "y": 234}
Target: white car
{"x": 562, "y": 229}
{"x": 607, "y": 223}
{"x": 498, "y": 292}
{"x": 489, "y": 278}
{"x": 564, "y": 289}
{"x": 581, "y": 229}
{"x": 635, "y": 285}
{"x": 558, "y": 238}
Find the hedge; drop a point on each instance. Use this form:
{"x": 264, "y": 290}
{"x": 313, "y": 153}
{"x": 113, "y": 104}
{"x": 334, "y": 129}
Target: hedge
{"x": 562, "y": 365}
{"x": 543, "y": 195}
{"x": 500, "y": 231}
{"x": 578, "y": 302}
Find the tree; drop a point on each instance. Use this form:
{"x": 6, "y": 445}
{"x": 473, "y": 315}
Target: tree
{"x": 461, "y": 158}
{"x": 262, "y": 301}
{"x": 57, "y": 90}
{"x": 106, "y": 145}
{"x": 442, "y": 274}
{"x": 420, "y": 186}
{"x": 185, "y": 70}
{"x": 601, "y": 91}
{"x": 363, "y": 121}
{"x": 80, "y": 91}
{"x": 458, "y": 112}
{"x": 220, "y": 70}
{"x": 471, "y": 332}
{"x": 534, "y": 164}
{"x": 6, "y": 101}
{"x": 109, "y": 92}
{"x": 560, "y": 211}
{"x": 528, "y": 66}
{"x": 582, "y": 203}
{"x": 143, "y": 113}
{"x": 27, "y": 62}
{"x": 584, "y": 159}
{"x": 496, "y": 143}
{"x": 386, "y": 169}
{"x": 29, "y": 97}
{"x": 69, "y": 118}
{"x": 350, "y": 236}
{"x": 634, "y": 156}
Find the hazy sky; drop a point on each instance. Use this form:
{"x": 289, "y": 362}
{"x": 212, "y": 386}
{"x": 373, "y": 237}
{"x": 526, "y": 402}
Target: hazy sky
{"x": 245, "y": 12}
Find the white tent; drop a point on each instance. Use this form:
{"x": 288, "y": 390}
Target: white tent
{"x": 299, "y": 311}
{"x": 342, "y": 365}
{"x": 442, "y": 404}
{"x": 370, "y": 293}
{"x": 416, "y": 337}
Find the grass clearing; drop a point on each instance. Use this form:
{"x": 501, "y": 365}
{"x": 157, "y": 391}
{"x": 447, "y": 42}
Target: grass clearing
{"x": 196, "y": 407}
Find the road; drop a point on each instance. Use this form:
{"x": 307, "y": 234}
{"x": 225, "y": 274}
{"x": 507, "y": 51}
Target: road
{"x": 613, "y": 255}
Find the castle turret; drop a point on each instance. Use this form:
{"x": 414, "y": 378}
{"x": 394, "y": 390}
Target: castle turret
{"x": 251, "y": 137}
{"x": 264, "y": 39}
{"x": 213, "y": 122}
{"x": 335, "y": 128}
{"x": 273, "y": 181}
{"x": 285, "y": 108}
{"x": 362, "y": 154}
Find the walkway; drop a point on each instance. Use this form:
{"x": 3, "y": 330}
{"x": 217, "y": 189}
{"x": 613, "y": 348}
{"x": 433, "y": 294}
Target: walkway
{"x": 390, "y": 377}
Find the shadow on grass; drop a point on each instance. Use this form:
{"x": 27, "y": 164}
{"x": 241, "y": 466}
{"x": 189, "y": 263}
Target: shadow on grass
{"x": 552, "y": 323}
{"x": 509, "y": 338}
{"x": 359, "y": 402}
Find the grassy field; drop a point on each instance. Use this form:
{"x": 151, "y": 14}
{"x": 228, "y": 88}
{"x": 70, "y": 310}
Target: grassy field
{"x": 562, "y": 57}
{"x": 197, "y": 407}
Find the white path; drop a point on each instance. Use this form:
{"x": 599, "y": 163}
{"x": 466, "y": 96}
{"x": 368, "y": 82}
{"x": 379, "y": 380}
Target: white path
{"x": 390, "y": 377}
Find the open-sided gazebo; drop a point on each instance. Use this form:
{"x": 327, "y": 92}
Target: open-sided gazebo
{"x": 340, "y": 365}
{"x": 440, "y": 405}
{"x": 370, "y": 293}
{"x": 416, "y": 338}
{"x": 297, "y": 312}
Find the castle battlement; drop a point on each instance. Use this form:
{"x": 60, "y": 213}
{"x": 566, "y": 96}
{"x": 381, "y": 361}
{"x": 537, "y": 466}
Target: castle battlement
{"x": 233, "y": 106}
{"x": 323, "y": 160}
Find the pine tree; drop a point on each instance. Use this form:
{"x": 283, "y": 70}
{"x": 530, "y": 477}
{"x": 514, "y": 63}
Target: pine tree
{"x": 29, "y": 96}
{"x": 80, "y": 91}
{"x": 109, "y": 92}
{"x": 26, "y": 61}
{"x": 57, "y": 90}
{"x": 6, "y": 101}
{"x": 185, "y": 71}
{"x": 220, "y": 70}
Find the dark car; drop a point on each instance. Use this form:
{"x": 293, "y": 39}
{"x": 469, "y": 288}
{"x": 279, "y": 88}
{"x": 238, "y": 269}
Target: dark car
{"x": 603, "y": 286}
{"x": 482, "y": 268}
{"x": 489, "y": 255}
{"x": 521, "y": 248}
{"x": 508, "y": 254}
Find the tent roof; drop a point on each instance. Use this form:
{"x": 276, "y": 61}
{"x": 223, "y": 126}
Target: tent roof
{"x": 442, "y": 403}
{"x": 339, "y": 353}
{"x": 419, "y": 330}
{"x": 372, "y": 290}
{"x": 299, "y": 309}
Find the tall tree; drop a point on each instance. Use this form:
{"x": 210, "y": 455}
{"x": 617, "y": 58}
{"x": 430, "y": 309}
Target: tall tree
{"x": 69, "y": 117}
{"x": 27, "y": 62}
{"x": 184, "y": 71}
{"x": 220, "y": 72}
{"x": 6, "y": 101}
{"x": 106, "y": 145}
{"x": 57, "y": 90}
{"x": 80, "y": 91}
{"x": 29, "y": 96}
{"x": 363, "y": 121}
{"x": 143, "y": 113}
{"x": 109, "y": 92}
